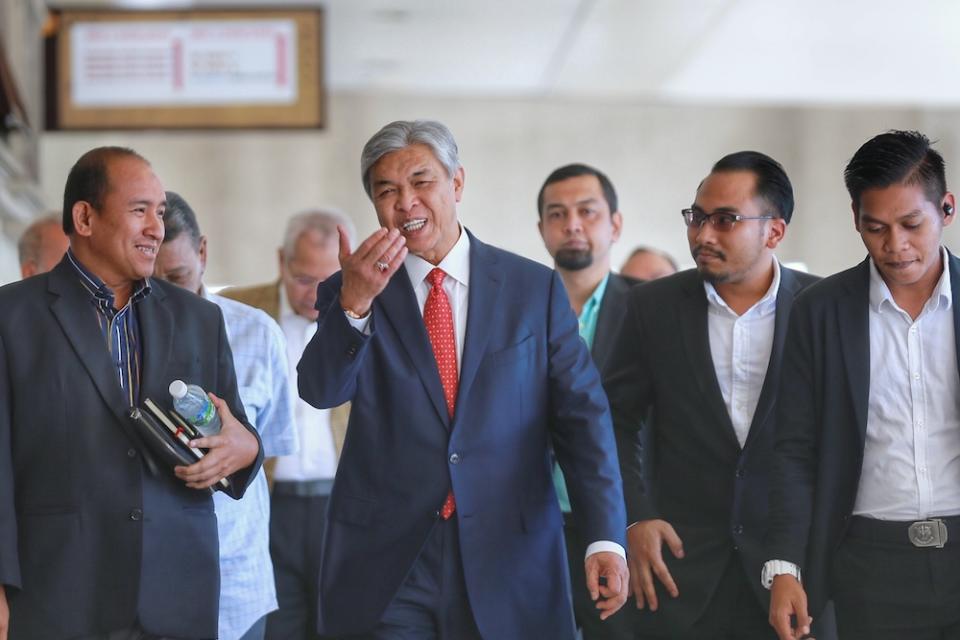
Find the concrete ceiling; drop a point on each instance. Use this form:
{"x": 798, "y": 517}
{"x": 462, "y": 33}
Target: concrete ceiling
{"x": 783, "y": 52}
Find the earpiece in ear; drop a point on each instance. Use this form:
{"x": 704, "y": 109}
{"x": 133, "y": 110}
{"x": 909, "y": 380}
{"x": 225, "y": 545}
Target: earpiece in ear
{"x": 947, "y": 209}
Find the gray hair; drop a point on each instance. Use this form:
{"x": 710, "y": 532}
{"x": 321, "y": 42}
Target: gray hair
{"x": 323, "y": 221}
{"x": 28, "y": 247}
{"x": 642, "y": 249}
{"x": 403, "y": 133}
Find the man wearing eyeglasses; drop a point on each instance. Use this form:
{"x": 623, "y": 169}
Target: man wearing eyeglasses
{"x": 700, "y": 354}
{"x": 301, "y": 481}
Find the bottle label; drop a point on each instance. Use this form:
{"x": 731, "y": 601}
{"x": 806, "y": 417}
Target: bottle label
{"x": 205, "y": 415}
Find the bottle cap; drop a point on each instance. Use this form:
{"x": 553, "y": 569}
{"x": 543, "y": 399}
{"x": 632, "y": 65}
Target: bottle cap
{"x": 178, "y": 389}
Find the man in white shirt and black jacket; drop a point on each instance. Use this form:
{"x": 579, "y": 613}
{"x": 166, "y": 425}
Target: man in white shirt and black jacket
{"x": 865, "y": 502}
{"x": 699, "y": 353}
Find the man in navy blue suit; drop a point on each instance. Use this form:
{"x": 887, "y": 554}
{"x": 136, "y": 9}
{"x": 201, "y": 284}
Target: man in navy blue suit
{"x": 464, "y": 365}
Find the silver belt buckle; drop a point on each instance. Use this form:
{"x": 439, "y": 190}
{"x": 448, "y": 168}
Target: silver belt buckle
{"x": 928, "y": 533}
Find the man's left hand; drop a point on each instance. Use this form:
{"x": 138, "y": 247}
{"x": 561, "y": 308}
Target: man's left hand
{"x": 610, "y": 596}
{"x": 232, "y": 449}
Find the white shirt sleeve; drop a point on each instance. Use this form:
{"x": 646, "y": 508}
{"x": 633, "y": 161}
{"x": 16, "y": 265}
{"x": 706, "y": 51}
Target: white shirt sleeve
{"x": 605, "y": 545}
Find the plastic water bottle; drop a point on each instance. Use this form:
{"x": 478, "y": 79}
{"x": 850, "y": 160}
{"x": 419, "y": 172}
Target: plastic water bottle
{"x": 195, "y": 406}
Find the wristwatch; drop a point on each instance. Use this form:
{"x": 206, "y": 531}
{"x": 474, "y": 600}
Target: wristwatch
{"x": 774, "y": 568}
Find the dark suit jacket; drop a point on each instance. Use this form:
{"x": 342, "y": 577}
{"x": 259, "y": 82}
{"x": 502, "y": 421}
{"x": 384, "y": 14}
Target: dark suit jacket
{"x": 526, "y": 379}
{"x": 823, "y": 422}
{"x": 711, "y": 490}
{"x": 610, "y": 321}
{"x": 90, "y": 541}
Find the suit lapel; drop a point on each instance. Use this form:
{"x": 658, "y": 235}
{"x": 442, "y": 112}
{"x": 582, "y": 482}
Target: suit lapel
{"x": 156, "y": 332}
{"x": 693, "y": 311}
{"x": 789, "y": 284}
{"x": 483, "y": 294}
{"x": 608, "y": 322}
{"x": 854, "y": 326}
{"x": 954, "y": 266}
{"x": 400, "y": 309}
{"x": 72, "y": 308}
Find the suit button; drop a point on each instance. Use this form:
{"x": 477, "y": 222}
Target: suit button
{"x": 131, "y": 453}
{"x": 136, "y": 514}
{"x": 454, "y": 458}
{"x": 740, "y": 473}
{"x": 352, "y": 350}
{"x": 738, "y": 529}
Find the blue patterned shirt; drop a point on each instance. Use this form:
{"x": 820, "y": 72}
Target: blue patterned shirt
{"x": 119, "y": 327}
{"x": 247, "y": 590}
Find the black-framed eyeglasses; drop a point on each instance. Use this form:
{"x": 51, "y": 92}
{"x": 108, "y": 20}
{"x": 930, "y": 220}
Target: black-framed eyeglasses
{"x": 721, "y": 220}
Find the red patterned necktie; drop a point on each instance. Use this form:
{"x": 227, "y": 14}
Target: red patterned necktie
{"x": 438, "y": 316}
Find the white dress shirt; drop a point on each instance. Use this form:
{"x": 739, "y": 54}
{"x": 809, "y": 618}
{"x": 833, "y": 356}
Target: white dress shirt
{"x": 911, "y": 457}
{"x": 317, "y": 457}
{"x": 456, "y": 264}
{"x": 740, "y": 347}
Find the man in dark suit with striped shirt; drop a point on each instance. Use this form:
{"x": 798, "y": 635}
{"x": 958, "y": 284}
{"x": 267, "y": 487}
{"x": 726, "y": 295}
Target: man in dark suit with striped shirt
{"x": 97, "y": 541}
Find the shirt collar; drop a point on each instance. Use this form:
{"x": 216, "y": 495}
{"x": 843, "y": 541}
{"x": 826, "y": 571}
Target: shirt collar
{"x": 880, "y": 295}
{"x": 593, "y": 302}
{"x": 98, "y": 288}
{"x": 764, "y": 305}
{"x": 456, "y": 264}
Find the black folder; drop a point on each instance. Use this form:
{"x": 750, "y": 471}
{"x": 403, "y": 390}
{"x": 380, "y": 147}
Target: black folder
{"x": 166, "y": 433}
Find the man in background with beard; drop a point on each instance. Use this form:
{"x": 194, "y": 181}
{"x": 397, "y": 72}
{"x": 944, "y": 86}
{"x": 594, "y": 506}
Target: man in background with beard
{"x": 579, "y": 222}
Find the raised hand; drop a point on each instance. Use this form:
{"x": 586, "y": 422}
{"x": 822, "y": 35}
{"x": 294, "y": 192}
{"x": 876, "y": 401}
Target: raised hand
{"x": 368, "y": 269}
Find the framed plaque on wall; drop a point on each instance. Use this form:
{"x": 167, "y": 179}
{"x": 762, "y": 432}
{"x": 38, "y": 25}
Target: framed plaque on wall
{"x": 186, "y": 69}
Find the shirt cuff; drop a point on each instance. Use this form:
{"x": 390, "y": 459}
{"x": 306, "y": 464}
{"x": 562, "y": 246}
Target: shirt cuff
{"x": 774, "y": 568}
{"x": 605, "y": 545}
{"x": 360, "y": 324}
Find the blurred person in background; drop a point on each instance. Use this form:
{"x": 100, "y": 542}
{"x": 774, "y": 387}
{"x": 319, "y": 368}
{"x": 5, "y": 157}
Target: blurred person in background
{"x": 301, "y": 482}
{"x": 647, "y": 263}
{"x": 247, "y": 591}
{"x": 42, "y": 245}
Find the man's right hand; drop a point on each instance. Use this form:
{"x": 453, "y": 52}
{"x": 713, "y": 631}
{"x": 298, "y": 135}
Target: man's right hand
{"x": 4, "y": 614}
{"x": 787, "y": 598}
{"x": 644, "y": 551}
{"x": 367, "y": 270}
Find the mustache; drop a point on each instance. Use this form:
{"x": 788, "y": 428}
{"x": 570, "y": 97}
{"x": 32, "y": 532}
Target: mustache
{"x": 701, "y": 250}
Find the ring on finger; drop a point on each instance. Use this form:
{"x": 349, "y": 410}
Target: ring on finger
{"x": 381, "y": 266}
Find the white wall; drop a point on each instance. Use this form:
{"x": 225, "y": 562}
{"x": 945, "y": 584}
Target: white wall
{"x": 245, "y": 184}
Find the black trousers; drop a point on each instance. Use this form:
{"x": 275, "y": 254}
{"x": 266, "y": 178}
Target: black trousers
{"x": 734, "y": 613}
{"x": 616, "y": 627}
{"x": 886, "y": 588}
{"x": 296, "y": 539}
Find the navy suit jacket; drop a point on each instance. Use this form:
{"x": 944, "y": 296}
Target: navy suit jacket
{"x": 712, "y": 490}
{"x": 823, "y": 422}
{"x": 90, "y": 541}
{"x": 526, "y": 380}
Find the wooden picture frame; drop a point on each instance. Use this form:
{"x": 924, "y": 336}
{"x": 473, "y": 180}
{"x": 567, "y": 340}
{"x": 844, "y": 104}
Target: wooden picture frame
{"x": 186, "y": 69}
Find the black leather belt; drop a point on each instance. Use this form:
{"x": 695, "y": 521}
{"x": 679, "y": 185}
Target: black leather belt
{"x": 934, "y": 532}
{"x": 302, "y": 488}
